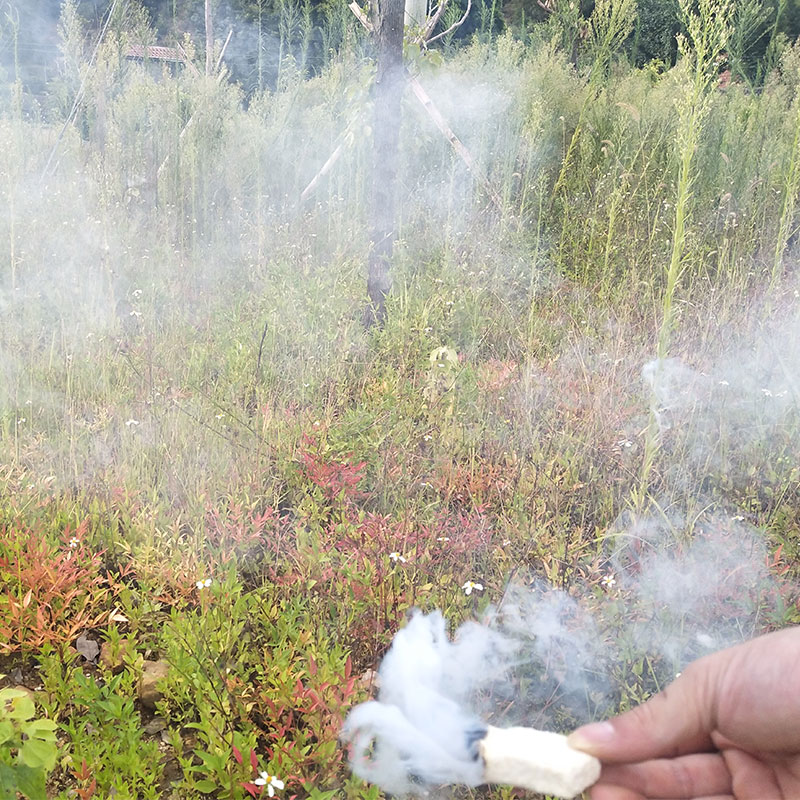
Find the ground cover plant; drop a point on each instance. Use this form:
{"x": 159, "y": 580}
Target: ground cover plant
{"x": 221, "y": 495}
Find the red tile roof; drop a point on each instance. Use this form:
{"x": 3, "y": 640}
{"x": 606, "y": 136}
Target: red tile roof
{"x": 154, "y": 52}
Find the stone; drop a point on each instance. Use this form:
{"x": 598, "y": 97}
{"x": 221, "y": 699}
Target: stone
{"x": 113, "y": 658}
{"x": 152, "y": 673}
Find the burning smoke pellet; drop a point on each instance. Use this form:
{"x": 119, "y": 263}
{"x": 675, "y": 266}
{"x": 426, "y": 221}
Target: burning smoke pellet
{"x": 536, "y": 760}
{"x": 422, "y": 732}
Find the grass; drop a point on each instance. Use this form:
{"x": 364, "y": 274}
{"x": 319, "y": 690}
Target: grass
{"x": 188, "y": 394}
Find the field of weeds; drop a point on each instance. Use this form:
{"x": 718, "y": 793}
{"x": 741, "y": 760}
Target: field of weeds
{"x": 220, "y": 496}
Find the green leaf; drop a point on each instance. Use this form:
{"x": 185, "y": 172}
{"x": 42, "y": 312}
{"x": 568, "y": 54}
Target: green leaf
{"x": 6, "y": 731}
{"x": 44, "y": 729}
{"x": 16, "y": 704}
{"x": 206, "y": 786}
{"x": 29, "y": 782}
{"x": 36, "y": 753}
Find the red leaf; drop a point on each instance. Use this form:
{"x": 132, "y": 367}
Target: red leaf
{"x": 254, "y": 760}
{"x": 237, "y": 754}
{"x": 252, "y": 789}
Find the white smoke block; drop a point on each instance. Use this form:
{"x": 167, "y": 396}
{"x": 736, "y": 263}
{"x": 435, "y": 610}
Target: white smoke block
{"x": 536, "y": 760}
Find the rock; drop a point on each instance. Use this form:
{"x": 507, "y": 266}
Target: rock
{"x": 156, "y": 725}
{"x": 152, "y": 673}
{"x": 113, "y": 658}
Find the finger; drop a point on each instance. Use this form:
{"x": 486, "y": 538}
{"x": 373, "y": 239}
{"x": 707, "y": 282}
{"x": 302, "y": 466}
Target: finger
{"x": 699, "y": 775}
{"x": 606, "y": 791}
{"x": 676, "y": 721}
{"x": 753, "y": 779}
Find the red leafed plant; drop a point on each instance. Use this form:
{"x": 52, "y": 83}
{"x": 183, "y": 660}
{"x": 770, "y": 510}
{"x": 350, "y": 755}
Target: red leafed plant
{"x": 48, "y": 594}
{"x": 337, "y": 480}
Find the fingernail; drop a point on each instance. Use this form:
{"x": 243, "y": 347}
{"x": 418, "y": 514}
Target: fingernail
{"x": 591, "y": 736}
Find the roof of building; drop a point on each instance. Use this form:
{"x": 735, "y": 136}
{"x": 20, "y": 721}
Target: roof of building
{"x": 154, "y": 52}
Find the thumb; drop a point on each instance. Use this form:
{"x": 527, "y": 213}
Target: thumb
{"x": 677, "y": 720}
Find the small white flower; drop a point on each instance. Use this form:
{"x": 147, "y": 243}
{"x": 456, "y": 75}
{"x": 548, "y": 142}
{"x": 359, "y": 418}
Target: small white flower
{"x": 443, "y": 539}
{"x": 74, "y": 542}
{"x": 21, "y": 420}
{"x": 270, "y": 781}
{"x": 609, "y": 581}
{"x": 766, "y": 392}
{"x": 723, "y": 383}
{"x": 738, "y": 518}
{"x": 427, "y": 437}
{"x": 137, "y": 292}
{"x": 219, "y": 416}
{"x": 203, "y": 584}
{"x": 395, "y": 556}
{"x": 132, "y": 422}
{"x": 135, "y": 313}
{"x": 469, "y": 586}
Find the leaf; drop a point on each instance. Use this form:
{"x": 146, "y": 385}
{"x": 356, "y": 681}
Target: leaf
{"x": 29, "y": 782}
{"x": 115, "y": 616}
{"x": 18, "y": 704}
{"x": 206, "y": 786}
{"x": 252, "y": 789}
{"x": 254, "y": 760}
{"x": 6, "y": 731}
{"x": 27, "y": 599}
{"x": 36, "y": 753}
{"x": 44, "y": 729}
{"x": 88, "y": 648}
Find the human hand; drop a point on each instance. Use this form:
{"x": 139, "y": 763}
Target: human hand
{"x": 728, "y": 728}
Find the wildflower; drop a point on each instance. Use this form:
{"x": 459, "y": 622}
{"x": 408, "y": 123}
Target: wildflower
{"x": 395, "y": 556}
{"x": 74, "y": 542}
{"x": 427, "y": 437}
{"x": 444, "y": 539}
{"x": 132, "y": 422}
{"x": 723, "y": 383}
{"x": 470, "y": 585}
{"x": 609, "y": 581}
{"x": 203, "y": 584}
{"x": 766, "y": 392}
{"x": 135, "y": 313}
{"x": 137, "y": 293}
{"x": 270, "y": 781}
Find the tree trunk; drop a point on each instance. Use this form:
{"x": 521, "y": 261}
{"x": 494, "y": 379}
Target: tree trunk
{"x": 388, "y": 92}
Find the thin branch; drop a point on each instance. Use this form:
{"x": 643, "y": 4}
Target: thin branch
{"x": 433, "y": 21}
{"x": 453, "y": 27}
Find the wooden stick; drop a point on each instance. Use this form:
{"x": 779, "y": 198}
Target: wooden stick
{"x": 361, "y": 16}
{"x": 222, "y": 52}
{"x": 456, "y": 143}
{"x": 326, "y": 167}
